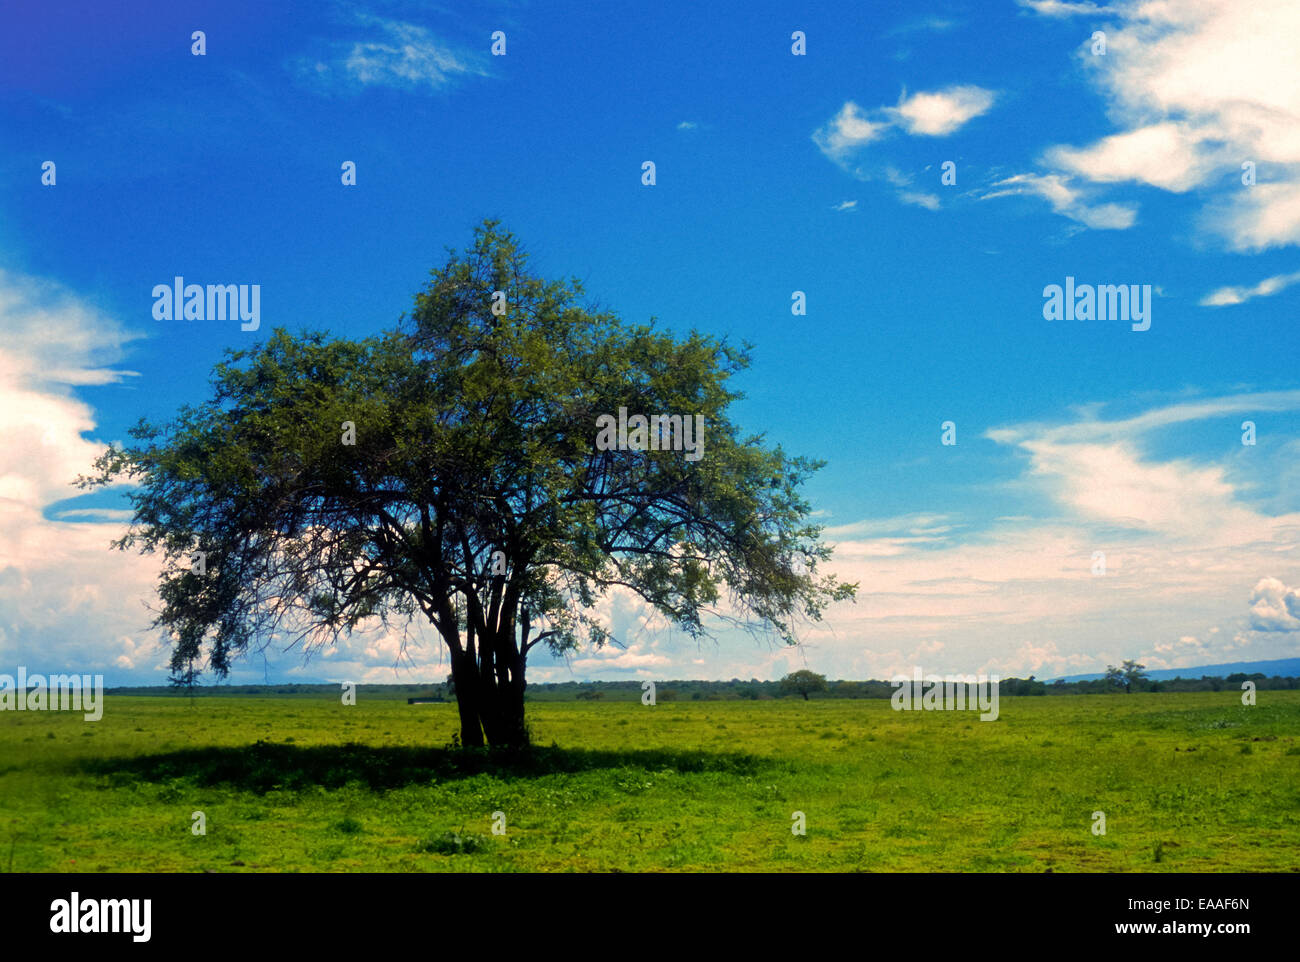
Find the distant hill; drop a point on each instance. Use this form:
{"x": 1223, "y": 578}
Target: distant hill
{"x": 1285, "y": 667}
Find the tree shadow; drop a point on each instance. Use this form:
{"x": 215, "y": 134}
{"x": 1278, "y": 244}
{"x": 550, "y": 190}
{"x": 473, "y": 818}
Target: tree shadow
{"x": 268, "y": 766}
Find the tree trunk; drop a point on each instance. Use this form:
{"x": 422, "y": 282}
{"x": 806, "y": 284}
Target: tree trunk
{"x": 468, "y": 701}
{"x": 805, "y": 695}
{"x": 490, "y": 694}
{"x": 501, "y": 680}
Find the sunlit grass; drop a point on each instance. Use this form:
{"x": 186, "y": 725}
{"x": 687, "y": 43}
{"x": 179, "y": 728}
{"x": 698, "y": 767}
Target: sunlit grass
{"x": 1187, "y": 782}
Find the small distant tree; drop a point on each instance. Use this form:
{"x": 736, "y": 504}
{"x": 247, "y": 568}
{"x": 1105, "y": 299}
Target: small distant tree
{"x": 802, "y": 682}
{"x": 1114, "y": 677}
{"x": 1133, "y": 674}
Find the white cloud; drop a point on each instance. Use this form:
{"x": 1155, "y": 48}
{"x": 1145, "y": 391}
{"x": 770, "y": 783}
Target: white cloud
{"x": 934, "y": 113}
{"x": 1167, "y": 155}
{"x": 1182, "y": 548}
{"x": 928, "y": 201}
{"x": 847, "y": 130}
{"x": 845, "y": 205}
{"x": 924, "y": 25}
{"x": 687, "y": 125}
{"x": 1224, "y": 296}
{"x": 1257, "y": 218}
{"x": 400, "y": 55}
{"x": 1060, "y": 8}
{"x": 1196, "y": 89}
{"x": 941, "y": 112}
{"x": 1274, "y": 606}
{"x": 66, "y": 600}
{"x": 1066, "y": 200}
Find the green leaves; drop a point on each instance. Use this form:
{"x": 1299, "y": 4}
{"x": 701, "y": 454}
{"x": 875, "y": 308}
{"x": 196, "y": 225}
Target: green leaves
{"x": 338, "y": 480}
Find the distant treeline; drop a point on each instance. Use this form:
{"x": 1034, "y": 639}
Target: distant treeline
{"x": 734, "y": 690}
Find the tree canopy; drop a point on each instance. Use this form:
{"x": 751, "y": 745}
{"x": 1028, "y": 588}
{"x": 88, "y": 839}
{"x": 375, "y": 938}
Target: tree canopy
{"x": 449, "y": 469}
{"x": 1127, "y": 675}
{"x": 802, "y": 682}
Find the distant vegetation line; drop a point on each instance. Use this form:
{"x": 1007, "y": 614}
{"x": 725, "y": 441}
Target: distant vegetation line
{"x": 734, "y": 690}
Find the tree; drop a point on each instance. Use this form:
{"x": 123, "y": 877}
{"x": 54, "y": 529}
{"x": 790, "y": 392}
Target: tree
{"x": 1114, "y": 676}
{"x": 1128, "y": 675}
{"x": 449, "y": 469}
{"x": 1133, "y": 674}
{"x": 802, "y": 682}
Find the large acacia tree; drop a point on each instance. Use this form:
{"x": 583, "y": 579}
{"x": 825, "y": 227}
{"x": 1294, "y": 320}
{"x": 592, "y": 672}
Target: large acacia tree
{"x": 449, "y": 470}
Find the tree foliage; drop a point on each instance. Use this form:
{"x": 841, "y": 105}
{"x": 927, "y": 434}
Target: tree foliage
{"x": 803, "y": 682}
{"x": 474, "y": 495}
{"x": 1126, "y": 676}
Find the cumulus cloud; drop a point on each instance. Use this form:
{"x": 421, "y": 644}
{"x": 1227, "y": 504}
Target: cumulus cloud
{"x": 1274, "y": 606}
{"x": 1196, "y": 89}
{"x": 941, "y": 112}
{"x": 65, "y": 599}
{"x": 1171, "y": 156}
{"x": 934, "y": 113}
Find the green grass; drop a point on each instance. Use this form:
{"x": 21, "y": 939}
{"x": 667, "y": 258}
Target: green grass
{"x": 1188, "y": 783}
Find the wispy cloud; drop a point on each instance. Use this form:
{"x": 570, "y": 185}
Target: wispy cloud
{"x": 1060, "y": 8}
{"x": 938, "y": 113}
{"x": 397, "y": 54}
{"x": 1224, "y": 296}
{"x": 1067, "y": 200}
{"x": 847, "y": 130}
{"x": 1187, "y": 557}
{"x": 924, "y": 25}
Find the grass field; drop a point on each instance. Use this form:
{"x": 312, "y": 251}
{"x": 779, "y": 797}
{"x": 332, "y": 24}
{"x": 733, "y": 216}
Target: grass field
{"x": 1187, "y": 782}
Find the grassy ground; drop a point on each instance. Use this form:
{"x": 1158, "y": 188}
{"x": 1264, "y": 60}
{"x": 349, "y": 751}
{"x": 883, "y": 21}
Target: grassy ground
{"x": 1187, "y": 782}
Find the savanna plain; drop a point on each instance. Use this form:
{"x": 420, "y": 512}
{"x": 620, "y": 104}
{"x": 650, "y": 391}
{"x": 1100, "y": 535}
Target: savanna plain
{"x": 1187, "y": 782}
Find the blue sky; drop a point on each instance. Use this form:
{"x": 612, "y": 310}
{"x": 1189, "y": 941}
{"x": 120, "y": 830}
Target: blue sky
{"x": 775, "y": 173}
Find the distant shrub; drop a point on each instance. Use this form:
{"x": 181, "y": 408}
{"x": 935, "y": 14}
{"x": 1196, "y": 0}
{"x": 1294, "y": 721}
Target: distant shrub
{"x": 452, "y": 843}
